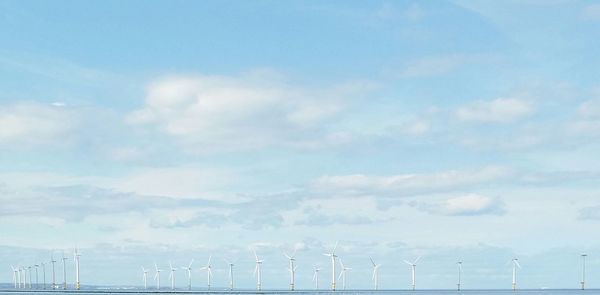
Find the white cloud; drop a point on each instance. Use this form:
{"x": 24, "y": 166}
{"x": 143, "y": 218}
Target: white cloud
{"x": 589, "y": 109}
{"x": 251, "y": 110}
{"x": 472, "y": 204}
{"x": 591, "y": 12}
{"x": 498, "y": 110}
{"x": 33, "y": 123}
{"x": 408, "y": 184}
{"x": 432, "y": 66}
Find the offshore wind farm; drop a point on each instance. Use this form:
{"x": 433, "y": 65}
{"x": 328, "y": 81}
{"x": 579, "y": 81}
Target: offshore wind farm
{"x": 300, "y": 146}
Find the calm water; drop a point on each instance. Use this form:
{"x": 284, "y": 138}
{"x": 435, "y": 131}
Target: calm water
{"x": 312, "y": 292}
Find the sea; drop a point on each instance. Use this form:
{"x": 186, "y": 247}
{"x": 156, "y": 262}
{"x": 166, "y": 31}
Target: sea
{"x": 308, "y": 292}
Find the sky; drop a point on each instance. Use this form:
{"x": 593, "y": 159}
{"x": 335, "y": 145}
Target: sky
{"x": 157, "y": 131}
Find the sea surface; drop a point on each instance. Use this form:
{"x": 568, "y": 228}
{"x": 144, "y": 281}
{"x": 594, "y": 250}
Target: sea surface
{"x": 312, "y": 292}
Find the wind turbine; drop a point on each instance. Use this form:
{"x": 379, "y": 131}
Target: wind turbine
{"x": 21, "y": 277}
{"x": 76, "y": 256}
{"x": 516, "y": 264}
{"x": 413, "y": 266}
{"x": 43, "y": 264}
{"x": 37, "y": 284}
{"x": 375, "y": 277}
{"x": 333, "y": 257}
{"x": 230, "y": 274}
{"x": 145, "y": 277}
{"x": 14, "y": 275}
{"x": 53, "y": 273}
{"x": 583, "y": 256}
{"x": 258, "y": 272}
{"x": 459, "y": 273}
{"x": 157, "y": 276}
{"x": 172, "y": 275}
{"x": 64, "y": 260}
{"x": 343, "y": 274}
{"x": 29, "y": 276}
{"x": 292, "y": 269}
{"x": 208, "y": 268}
{"x": 316, "y": 277}
{"x": 189, "y": 272}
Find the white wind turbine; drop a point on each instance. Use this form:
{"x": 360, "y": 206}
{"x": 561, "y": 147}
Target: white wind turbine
{"x": 459, "y": 274}
{"x": 208, "y": 268}
{"x": 343, "y": 274}
{"x": 14, "y": 275}
{"x": 157, "y": 276}
{"x": 172, "y": 275}
{"x": 316, "y": 277}
{"x": 230, "y": 273}
{"x": 413, "y": 266}
{"x": 76, "y": 256}
{"x": 64, "y": 260}
{"x": 516, "y": 264}
{"x": 375, "y": 277}
{"x": 29, "y": 275}
{"x": 292, "y": 269}
{"x": 258, "y": 272}
{"x": 189, "y": 272}
{"x": 37, "y": 282}
{"x": 53, "y": 271}
{"x": 43, "y": 264}
{"x": 21, "y": 277}
{"x": 145, "y": 277}
{"x": 333, "y": 257}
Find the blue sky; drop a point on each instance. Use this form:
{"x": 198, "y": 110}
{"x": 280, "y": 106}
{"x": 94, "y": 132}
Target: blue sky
{"x": 169, "y": 130}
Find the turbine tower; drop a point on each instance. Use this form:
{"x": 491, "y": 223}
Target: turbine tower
{"x": 145, "y": 277}
{"x": 29, "y": 276}
{"x": 316, "y": 277}
{"x": 375, "y": 273}
{"x": 208, "y": 268}
{"x": 37, "y": 282}
{"x": 14, "y": 275}
{"x": 413, "y": 267}
{"x": 459, "y": 273}
{"x": 64, "y": 261}
{"x": 583, "y": 256}
{"x": 292, "y": 269}
{"x": 53, "y": 272}
{"x": 157, "y": 276}
{"x": 76, "y": 256}
{"x": 172, "y": 275}
{"x": 258, "y": 272}
{"x": 189, "y": 272}
{"x": 516, "y": 264}
{"x": 43, "y": 264}
{"x": 333, "y": 257}
{"x": 230, "y": 274}
{"x": 21, "y": 277}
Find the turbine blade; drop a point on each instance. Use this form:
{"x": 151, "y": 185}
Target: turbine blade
{"x": 373, "y": 262}
{"x": 190, "y": 266}
{"x": 334, "y": 247}
{"x": 517, "y": 263}
{"x": 417, "y": 260}
{"x": 408, "y": 262}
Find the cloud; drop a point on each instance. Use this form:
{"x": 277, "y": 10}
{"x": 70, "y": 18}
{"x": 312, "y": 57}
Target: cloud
{"x": 469, "y": 205}
{"x": 432, "y": 66}
{"x": 252, "y": 110}
{"x": 591, "y": 12}
{"x": 407, "y": 184}
{"x": 590, "y": 213}
{"x": 500, "y": 110}
{"x": 34, "y": 123}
